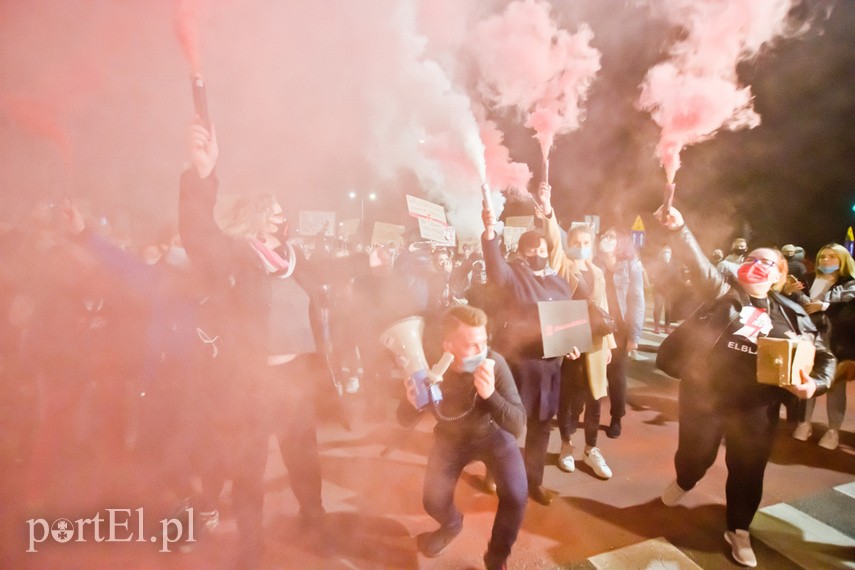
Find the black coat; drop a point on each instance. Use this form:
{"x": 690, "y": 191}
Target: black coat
{"x": 517, "y": 330}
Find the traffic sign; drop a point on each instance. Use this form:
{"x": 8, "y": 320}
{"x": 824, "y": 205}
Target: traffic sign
{"x": 638, "y": 233}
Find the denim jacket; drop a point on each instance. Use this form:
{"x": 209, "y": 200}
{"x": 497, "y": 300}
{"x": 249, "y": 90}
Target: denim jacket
{"x": 629, "y": 288}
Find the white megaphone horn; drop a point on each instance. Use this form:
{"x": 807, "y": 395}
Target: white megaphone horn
{"x": 404, "y": 339}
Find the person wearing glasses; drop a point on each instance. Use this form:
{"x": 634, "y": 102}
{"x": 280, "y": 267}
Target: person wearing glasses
{"x": 719, "y": 395}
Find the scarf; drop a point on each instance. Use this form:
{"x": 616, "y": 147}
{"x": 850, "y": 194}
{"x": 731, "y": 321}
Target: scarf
{"x": 274, "y": 263}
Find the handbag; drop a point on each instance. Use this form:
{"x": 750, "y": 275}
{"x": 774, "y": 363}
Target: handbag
{"x": 690, "y": 343}
{"x": 601, "y": 321}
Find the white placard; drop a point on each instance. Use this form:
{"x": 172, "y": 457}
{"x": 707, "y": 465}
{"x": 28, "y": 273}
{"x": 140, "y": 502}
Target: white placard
{"x": 594, "y": 222}
{"x": 385, "y": 233}
{"x": 512, "y": 236}
{"x": 348, "y": 228}
{"x": 314, "y": 222}
{"x": 438, "y": 233}
{"x": 526, "y": 222}
{"x": 423, "y": 210}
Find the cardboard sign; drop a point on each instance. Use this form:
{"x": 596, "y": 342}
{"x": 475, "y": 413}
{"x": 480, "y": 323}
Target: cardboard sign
{"x": 563, "y": 325}
{"x": 423, "y": 210}
{"x": 512, "y": 237}
{"x": 526, "y": 222}
{"x": 348, "y": 228}
{"x": 384, "y": 234}
{"x": 594, "y": 222}
{"x": 474, "y": 245}
{"x": 313, "y": 223}
{"x": 440, "y": 234}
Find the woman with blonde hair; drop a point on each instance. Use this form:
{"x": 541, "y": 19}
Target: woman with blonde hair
{"x": 828, "y": 298}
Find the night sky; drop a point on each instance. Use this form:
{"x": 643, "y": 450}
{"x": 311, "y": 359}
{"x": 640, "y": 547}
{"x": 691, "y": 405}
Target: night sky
{"x": 94, "y": 97}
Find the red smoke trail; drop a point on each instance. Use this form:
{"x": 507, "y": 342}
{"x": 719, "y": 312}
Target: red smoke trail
{"x": 527, "y": 63}
{"x": 187, "y": 31}
{"x": 696, "y": 92}
{"x": 502, "y": 173}
{"x": 40, "y": 120}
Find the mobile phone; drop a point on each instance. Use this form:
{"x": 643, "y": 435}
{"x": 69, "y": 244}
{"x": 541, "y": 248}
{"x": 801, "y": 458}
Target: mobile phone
{"x": 200, "y": 99}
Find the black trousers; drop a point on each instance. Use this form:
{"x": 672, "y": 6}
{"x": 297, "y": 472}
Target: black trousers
{"x": 616, "y": 374}
{"x": 576, "y": 397}
{"x": 292, "y": 392}
{"x": 748, "y": 435}
{"x": 500, "y": 454}
{"x": 234, "y": 439}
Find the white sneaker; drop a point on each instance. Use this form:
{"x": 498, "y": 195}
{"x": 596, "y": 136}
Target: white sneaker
{"x": 803, "y": 431}
{"x": 830, "y": 440}
{"x": 740, "y": 542}
{"x": 565, "y": 458}
{"x": 210, "y": 519}
{"x": 672, "y": 494}
{"x": 352, "y": 385}
{"x": 595, "y": 461}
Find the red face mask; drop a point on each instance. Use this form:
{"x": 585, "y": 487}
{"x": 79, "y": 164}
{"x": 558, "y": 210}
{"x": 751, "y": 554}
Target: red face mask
{"x": 753, "y": 273}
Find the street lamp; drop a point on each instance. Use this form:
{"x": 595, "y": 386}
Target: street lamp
{"x": 371, "y": 196}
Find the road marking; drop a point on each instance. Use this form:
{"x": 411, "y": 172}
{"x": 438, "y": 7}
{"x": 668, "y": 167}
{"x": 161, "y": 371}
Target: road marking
{"x": 656, "y": 553}
{"x": 847, "y": 489}
{"x": 801, "y": 538}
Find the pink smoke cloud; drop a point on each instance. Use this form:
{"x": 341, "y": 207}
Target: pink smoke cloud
{"x": 39, "y": 120}
{"x": 502, "y": 172}
{"x": 528, "y": 63}
{"x": 696, "y": 92}
{"x": 186, "y": 19}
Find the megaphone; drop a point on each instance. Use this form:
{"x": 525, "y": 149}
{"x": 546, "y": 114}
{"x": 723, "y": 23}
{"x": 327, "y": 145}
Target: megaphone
{"x": 404, "y": 339}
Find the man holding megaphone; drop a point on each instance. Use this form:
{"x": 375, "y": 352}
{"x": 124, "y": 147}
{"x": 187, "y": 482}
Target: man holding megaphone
{"x": 479, "y": 416}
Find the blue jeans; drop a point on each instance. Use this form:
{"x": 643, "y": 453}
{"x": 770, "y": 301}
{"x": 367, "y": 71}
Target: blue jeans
{"x": 503, "y": 459}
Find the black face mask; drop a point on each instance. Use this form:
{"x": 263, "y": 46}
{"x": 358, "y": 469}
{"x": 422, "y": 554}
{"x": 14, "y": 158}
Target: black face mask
{"x": 536, "y": 262}
{"x": 740, "y": 250}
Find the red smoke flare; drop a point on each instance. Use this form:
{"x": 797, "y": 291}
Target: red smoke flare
{"x": 186, "y": 30}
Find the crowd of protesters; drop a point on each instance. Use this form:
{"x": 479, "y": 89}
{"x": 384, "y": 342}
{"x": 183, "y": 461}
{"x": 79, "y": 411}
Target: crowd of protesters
{"x": 188, "y": 353}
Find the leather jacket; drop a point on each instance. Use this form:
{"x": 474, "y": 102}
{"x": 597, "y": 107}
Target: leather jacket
{"x": 712, "y": 285}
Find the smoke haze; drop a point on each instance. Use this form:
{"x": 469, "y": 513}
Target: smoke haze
{"x": 314, "y": 100}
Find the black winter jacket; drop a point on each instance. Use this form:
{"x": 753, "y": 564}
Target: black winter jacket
{"x": 719, "y": 372}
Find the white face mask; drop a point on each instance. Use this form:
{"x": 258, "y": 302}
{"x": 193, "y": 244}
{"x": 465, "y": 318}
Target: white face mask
{"x": 471, "y": 363}
{"x": 608, "y": 245}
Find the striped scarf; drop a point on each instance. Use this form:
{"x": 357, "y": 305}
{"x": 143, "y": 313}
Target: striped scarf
{"x": 274, "y": 263}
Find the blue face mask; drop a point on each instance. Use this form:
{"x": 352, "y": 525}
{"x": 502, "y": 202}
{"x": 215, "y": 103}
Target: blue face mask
{"x": 471, "y": 363}
{"x": 828, "y": 269}
{"x": 579, "y": 253}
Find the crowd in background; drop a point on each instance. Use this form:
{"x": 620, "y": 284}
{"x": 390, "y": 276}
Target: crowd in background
{"x": 101, "y": 342}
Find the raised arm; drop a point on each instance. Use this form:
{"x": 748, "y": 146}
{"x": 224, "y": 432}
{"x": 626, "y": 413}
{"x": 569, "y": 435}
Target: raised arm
{"x": 498, "y": 270}
{"x": 205, "y": 243}
{"x": 687, "y": 250}
{"x": 557, "y": 257}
